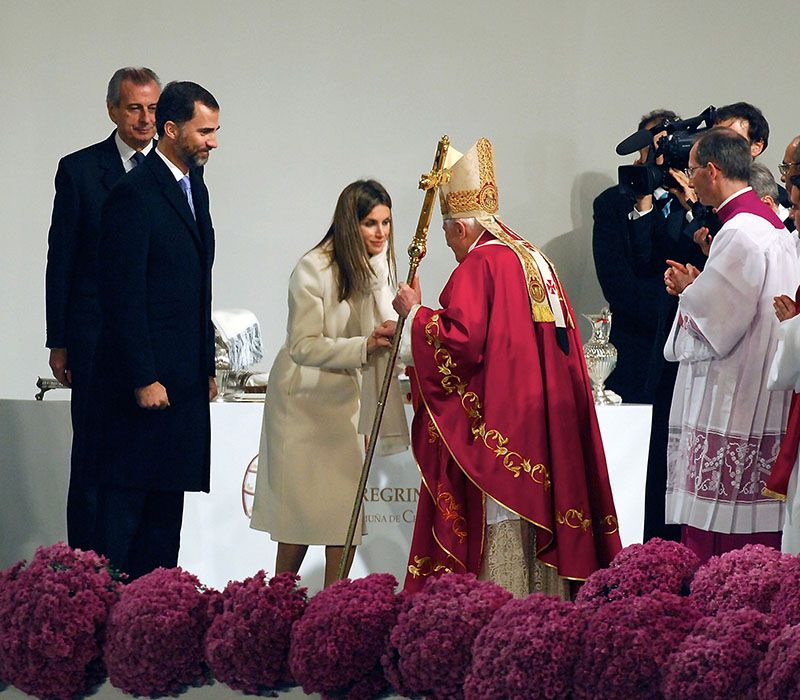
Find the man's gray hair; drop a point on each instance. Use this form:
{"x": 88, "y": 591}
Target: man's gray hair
{"x": 729, "y": 151}
{"x": 762, "y": 181}
{"x": 138, "y": 76}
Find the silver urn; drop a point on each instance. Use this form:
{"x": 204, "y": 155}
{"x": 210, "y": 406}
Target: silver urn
{"x": 600, "y": 354}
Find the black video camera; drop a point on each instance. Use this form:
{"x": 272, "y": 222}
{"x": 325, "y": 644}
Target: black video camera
{"x": 639, "y": 180}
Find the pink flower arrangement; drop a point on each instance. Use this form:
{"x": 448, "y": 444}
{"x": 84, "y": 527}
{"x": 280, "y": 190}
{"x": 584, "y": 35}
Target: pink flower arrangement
{"x": 780, "y": 669}
{"x": 337, "y": 644}
{"x": 154, "y": 642}
{"x": 626, "y": 645}
{"x": 720, "y": 659}
{"x": 247, "y": 644}
{"x": 430, "y": 649}
{"x": 52, "y": 617}
{"x": 528, "y": 650}
{"x": 639, "y": 569}
{"x": 786, "y": 601}
{"x": 747, "y": 577}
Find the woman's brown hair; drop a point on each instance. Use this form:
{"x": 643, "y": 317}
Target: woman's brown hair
{"x": 349, "y": 251}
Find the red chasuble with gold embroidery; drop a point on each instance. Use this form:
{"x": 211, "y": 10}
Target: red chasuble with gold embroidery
{"x": 503, "y": 411}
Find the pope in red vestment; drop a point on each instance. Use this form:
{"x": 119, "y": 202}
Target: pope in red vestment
{"x": 504, "y": 407}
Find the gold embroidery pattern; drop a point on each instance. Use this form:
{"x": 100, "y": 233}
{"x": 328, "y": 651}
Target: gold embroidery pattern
{"x": 611, "y": 526}
{"x": 433, "y": 434}
{"x": 492, "y": 438}
{"x": 574, "y": 518}
{"x": 461, "y": 201}
{"x": 446, "y": 503}
{"x": 540, "y": 305}
{"x": 485, "y": 163}
{"x": 487, "y": 198}
{"x": 424, "y": 566}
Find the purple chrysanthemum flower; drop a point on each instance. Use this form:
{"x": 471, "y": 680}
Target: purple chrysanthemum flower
{"x": 53, "y": 615}
{"x": 639, "y": 569}
{"x": 747, "y": 577}
{"x": 528, "y": 650}
{"x": 627, "y": 643}
{"x": 247, "y": 644}
{"x": 154, "y": 643}
{"x": 430, "y": 650}
{"x": 786, "y": 601}
{"x": 336, "y": 646}
{"x": 720, "y": 659}
{"x": 779, "y": 671}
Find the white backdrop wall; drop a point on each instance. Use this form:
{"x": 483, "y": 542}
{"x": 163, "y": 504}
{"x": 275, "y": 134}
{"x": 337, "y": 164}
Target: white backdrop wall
{"x": 316, "y": 94}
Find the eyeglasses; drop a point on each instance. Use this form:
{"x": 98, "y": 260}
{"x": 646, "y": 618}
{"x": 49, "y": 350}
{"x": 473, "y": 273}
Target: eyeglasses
{"x": 692, "y": 169}
{"x": 783, "y": 167}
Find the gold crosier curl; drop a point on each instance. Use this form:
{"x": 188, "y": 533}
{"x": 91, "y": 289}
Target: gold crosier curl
{"x": 492, "y": 438}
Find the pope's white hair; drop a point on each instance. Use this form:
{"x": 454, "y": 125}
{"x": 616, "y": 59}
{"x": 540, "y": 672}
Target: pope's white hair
{"x": 471, "y": 223}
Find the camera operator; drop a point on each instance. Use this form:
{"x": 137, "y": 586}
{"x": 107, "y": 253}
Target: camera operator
{"x": 660, "y": 227}
{"x": 630, "y": 293}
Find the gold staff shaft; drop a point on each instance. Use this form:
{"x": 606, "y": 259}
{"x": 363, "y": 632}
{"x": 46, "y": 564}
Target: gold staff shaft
{"x": 416, "y": 251}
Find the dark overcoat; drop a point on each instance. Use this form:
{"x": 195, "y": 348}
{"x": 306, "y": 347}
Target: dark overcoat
{"x": 83, "y": 181}
{"x": 154, "y": 274}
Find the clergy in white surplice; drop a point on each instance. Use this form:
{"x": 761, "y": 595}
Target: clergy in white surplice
{"x": 725, "y": 425}
{"x": 785, "y": 374}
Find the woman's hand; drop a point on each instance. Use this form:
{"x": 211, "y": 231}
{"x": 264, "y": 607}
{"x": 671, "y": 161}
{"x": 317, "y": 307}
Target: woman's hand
{"x": 381, "y": 337}
{"x": 785, "y": 307}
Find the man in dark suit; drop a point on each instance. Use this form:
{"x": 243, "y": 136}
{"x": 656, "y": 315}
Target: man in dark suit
{"x": 83, "y": 181}
{"x": 631, "y": 293}
{"x": 154, "y": 367}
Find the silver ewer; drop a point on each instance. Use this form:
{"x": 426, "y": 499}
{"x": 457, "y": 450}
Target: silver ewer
{"x": 600, "y": 354}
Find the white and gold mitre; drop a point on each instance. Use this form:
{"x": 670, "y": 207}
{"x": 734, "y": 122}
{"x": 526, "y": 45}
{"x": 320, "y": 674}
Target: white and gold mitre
{"x": 471, "y": 190}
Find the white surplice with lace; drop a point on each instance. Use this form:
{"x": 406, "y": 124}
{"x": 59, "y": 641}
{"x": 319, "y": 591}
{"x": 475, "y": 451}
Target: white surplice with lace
{"x": 725, "y": 425}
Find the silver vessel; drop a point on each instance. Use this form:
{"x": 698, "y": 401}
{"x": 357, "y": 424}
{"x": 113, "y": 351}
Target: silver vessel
{"x": 600, "y": 354}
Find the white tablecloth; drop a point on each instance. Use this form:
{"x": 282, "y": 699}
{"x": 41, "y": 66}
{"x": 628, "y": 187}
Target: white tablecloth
{"x": 217, "y": 545}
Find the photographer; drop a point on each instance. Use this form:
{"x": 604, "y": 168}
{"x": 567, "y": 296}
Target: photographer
{"x": 631, "y": 293}
{"x": 660, "y": 227}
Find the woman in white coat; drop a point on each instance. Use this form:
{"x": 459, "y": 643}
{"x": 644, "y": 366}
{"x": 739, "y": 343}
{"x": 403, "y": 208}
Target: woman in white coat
{"x": 340, "y": 318}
